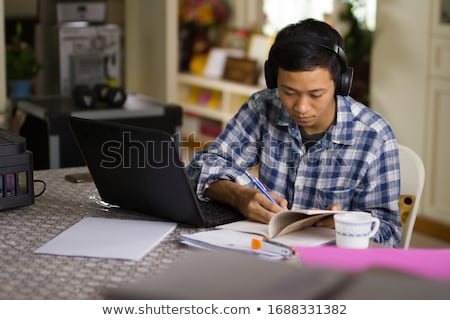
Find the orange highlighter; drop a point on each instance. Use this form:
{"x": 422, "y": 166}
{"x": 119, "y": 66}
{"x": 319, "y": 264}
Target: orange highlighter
{"x": 272, "y": 247}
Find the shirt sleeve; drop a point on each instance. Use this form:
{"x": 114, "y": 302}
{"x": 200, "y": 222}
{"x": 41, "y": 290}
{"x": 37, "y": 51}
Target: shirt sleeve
{"x": 234, "y": 151}
{"x": 382, "y": 199}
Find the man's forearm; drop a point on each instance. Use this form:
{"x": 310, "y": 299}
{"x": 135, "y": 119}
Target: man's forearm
{"x": 225, "y": 191}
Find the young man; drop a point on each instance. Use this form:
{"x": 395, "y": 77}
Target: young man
{"x": 315, "y": 146}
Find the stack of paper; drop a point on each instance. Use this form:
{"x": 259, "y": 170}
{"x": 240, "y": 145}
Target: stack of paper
{"x": 236, "y": 237}
{"x": 226, "y": 240}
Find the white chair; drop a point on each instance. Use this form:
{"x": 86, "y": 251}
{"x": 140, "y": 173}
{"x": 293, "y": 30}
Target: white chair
{"x": 412, "y": 179}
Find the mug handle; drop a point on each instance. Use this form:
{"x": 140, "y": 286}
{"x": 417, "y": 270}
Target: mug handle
{"x": 376, "y": 226}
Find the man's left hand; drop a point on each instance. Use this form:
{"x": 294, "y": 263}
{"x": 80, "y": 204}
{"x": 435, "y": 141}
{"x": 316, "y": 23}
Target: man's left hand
{"x": 329, "y": 221}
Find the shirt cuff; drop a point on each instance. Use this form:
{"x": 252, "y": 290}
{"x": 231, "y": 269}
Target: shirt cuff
{"x": 206, "y": 181}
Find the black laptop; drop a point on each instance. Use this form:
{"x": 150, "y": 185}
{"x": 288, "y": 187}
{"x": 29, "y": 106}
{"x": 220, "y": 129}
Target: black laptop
{"x": 140, "y": 169}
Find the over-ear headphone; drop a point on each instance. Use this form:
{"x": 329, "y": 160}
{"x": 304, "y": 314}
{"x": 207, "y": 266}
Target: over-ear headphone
{"x": 87, "y": 97}
{"x": 344, "y": 81}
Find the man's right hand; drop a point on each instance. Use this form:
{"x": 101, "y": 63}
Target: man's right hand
{"x": 252, "y": 203}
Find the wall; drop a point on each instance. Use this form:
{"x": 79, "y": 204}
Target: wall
{"x": 399, "y": 68}
{"x": 411, "y": 88}
{"x": 150, "y": 46}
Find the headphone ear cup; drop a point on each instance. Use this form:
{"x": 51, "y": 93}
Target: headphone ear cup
{"x": 83, "y": 96}
{"x": 345, "y": 83}
{"x": 270, "y": 75}
{"x": 116, "y": 97}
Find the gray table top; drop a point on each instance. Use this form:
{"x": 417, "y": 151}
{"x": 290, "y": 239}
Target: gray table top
{"x": 25, "y": 275}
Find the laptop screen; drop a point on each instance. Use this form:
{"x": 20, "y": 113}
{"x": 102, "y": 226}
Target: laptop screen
{"x": 138, "y": 169}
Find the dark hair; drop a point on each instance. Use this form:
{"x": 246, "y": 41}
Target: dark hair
{"x": 309, "y": 52}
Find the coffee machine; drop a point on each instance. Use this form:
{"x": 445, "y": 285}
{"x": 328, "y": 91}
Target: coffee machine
{"x": 79, "y": 49}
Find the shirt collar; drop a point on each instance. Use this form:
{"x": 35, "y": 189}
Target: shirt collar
{"x": 284, "y": 119}
{"x": 342, "y": 130}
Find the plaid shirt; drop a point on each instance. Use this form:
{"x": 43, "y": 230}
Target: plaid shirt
{"x": 355, "y": 164}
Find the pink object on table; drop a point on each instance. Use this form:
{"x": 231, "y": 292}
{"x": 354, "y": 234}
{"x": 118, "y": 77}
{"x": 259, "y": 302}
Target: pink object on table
{"x": 428, "y": 263}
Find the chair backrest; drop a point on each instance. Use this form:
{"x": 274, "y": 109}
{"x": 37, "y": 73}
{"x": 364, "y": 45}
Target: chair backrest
{"x": 412, "y": 179}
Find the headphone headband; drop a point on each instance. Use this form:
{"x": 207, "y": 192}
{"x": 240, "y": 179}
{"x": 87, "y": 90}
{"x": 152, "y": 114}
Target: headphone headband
{"x": 345, "y": 80}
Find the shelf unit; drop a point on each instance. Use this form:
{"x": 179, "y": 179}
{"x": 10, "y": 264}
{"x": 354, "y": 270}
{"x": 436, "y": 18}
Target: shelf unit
{"x": 209, "y": 103}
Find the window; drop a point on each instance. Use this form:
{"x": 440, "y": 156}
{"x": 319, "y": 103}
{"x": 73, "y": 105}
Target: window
{"x": 281, "y": 13}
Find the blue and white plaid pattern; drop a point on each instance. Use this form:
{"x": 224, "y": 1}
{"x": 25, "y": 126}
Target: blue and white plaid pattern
{"x": 355, "y": 164}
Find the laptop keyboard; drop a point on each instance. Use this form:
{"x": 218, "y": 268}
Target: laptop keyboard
{"x": 217, "y": 214}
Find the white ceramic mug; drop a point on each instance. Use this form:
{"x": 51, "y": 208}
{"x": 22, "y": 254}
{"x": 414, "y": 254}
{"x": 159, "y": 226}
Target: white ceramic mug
{"x": 354, "y": 229}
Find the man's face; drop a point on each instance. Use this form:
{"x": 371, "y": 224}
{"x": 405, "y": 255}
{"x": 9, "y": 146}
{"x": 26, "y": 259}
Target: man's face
{"x": 308, "y": 97}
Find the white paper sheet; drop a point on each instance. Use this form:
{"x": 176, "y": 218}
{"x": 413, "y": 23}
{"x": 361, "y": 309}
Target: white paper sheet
{"x": 108, "y": 238}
